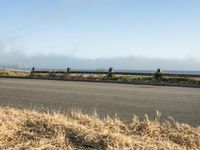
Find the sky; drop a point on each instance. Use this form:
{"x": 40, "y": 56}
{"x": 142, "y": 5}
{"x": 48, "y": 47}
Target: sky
{"x": 101, "y": 29}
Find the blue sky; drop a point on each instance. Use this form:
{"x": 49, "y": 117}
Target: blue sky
{"x": 102, "y": 28}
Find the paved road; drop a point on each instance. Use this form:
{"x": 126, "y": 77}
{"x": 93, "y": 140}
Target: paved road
{"x": 124, "y": 100}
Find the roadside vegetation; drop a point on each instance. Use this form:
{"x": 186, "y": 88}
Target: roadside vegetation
{"x": 152, "y": 79}
{"x": 157, "y": 78}
{"x": 11, "y": 73}
{"x": 31, "y": 129}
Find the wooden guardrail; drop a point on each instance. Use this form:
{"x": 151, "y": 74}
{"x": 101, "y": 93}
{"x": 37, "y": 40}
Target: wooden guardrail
{"x": 109, "y": 73}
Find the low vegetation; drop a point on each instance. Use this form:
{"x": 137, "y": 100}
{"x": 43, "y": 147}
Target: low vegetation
{"x": 164, "y": 79}
{"x": 11, "y": 73}
{"x": 30, "y": 129}
{"x": 157, "y": 78}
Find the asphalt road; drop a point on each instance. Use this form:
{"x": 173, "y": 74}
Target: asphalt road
{"x": 183, "y": 104}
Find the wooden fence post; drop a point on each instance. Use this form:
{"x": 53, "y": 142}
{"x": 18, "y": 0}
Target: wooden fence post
{"x": 68, "y": 70}
{"x": 110, "y": 72}
{"x": 32, "y": 74}
{"x": 67, "y": 73}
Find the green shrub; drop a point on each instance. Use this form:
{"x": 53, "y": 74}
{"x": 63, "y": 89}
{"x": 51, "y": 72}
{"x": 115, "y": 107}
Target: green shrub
{"x": 158, "y": 75}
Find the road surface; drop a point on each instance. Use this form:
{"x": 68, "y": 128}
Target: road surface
{"x": 183, "y": 104}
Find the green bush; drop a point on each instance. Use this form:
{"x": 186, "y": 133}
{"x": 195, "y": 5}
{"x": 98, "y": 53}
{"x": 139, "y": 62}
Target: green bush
{"x": 158, "y": 75}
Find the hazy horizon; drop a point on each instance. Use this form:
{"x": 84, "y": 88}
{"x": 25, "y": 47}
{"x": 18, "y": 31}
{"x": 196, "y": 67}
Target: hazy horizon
{"x": 119, "y": 63}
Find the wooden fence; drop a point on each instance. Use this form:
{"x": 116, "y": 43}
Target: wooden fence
{"x": 110, "y": 72}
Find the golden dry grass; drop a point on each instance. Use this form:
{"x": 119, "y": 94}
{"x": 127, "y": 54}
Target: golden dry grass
{"x": 29, "y": 129}
{"x": 13, "y": 73}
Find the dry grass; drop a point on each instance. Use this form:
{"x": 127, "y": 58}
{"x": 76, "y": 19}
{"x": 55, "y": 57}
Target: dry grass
{"x": 29, "y": 129}
{"x": 13, "y": 73}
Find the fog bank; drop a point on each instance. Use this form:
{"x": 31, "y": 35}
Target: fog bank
{"x": 64, "y": 61}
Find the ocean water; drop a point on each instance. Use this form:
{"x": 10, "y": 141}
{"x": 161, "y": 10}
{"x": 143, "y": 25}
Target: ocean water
{"x": 164, "y": 71}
